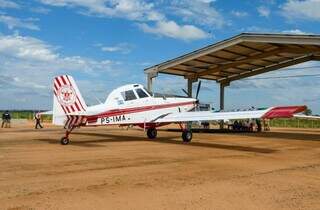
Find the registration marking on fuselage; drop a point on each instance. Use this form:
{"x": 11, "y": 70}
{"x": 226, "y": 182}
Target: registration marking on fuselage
{"x": 113, "y": 119}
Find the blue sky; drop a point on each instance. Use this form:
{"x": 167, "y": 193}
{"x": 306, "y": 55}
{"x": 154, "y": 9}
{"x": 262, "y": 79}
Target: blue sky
{"x": 107, "y": 43}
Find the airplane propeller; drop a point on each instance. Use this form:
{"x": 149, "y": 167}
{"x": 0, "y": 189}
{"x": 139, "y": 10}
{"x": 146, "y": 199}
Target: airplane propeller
{"x": 185, "y": 92}
{"x": 197, "y": 95}
{"x": 198, "y": 90}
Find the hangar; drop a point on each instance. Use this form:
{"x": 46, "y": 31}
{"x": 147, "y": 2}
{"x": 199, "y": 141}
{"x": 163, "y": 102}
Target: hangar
{"x": 241, "y": 56}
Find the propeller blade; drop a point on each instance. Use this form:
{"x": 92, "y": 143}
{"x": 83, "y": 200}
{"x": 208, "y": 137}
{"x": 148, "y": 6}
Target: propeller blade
{"x": 185, "y": 92}
{"x": 198, "y": 90}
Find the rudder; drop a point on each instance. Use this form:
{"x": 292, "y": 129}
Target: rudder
{"x": 67, "y": 99}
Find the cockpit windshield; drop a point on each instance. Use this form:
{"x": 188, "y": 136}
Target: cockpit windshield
{"x": 149, "y": 92}
{"x": 141, "y": 93}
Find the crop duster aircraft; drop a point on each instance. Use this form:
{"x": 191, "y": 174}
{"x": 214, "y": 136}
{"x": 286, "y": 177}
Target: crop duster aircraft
{"x": 133, "y": 105}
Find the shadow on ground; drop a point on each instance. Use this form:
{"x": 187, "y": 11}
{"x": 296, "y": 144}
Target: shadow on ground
{"x": 108, "y": 138}
{"x": 271, "y": 134}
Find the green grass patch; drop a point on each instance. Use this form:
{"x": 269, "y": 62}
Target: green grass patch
{"x": 295, "y": 123}
{"x": 26, "y": 114}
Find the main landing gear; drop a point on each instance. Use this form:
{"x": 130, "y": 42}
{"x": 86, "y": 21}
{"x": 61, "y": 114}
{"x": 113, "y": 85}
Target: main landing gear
{"x": 186, "y": 133}
{"x": 152, "y": 133}
{"x": 186, "y": 136}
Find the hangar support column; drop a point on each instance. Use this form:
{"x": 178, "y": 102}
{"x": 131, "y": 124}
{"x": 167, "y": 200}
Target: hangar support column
{"x": 222, "y": 87}
{"x": 189, "y": 90}
{"x": 150, "y": 78}
{"x": 189, "y": 87}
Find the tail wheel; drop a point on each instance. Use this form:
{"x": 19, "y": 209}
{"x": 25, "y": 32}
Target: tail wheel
{"x": 186, "y": 136}
{"x": 152, "y": 133}
{"x": 64, "y": 141}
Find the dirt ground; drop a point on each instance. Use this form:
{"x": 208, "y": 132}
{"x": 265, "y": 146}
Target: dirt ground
{"x": 112, "y": 168}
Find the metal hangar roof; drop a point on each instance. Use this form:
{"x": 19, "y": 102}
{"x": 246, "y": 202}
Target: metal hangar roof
{"x": 245, "y": 55}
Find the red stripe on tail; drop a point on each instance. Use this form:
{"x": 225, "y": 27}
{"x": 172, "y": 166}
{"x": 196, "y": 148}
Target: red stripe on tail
{"x": 83, "y": 109}
{"x": 59, "y": 84}
{"x": 63, "y": 80}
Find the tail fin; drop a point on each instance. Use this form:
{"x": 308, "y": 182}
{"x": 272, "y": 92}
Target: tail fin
{"x": 66, "y": 99}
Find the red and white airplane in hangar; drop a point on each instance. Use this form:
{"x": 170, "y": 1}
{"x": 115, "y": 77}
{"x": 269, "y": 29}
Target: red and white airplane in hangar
{"x": 134, "y": 105}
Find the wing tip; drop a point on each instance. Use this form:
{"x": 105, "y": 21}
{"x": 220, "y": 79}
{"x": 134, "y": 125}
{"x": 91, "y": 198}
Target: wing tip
{"x": 283, "y": 112}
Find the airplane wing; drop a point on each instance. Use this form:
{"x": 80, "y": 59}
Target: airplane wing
{"x": 270, "y": 113}
{"x": 302, "y": 116}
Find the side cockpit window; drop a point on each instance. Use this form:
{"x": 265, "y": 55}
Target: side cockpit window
{"x": 141, "y": 93}
{"x": 128, "y": 95}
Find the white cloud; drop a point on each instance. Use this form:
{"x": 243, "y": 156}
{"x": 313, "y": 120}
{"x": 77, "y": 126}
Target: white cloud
{"x": 130, "y": 9}
{"x": 34, "y": 52}
{"x": 123, "y": 48}
{"x": 26, "y": 48}
{"x": 173, "y": 30}
{"x": 198, "y": 11}
{"x": 307, "y": 9}
{"x": 294, "y": 31}
{"x": 29, "y": 64}
{"x": 8, "y": 4}
{"x": 13, "y": 22}
{"x": 257, "y": 29}
{"x": 40, "y": 10}
{"x": 239, "y": 14}
{"x": 263, "y": 11}
{"x": 145, "y": 14}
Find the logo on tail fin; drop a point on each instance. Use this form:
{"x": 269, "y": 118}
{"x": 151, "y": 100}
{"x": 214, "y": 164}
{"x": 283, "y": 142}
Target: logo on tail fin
{"x": 66, "y": 95}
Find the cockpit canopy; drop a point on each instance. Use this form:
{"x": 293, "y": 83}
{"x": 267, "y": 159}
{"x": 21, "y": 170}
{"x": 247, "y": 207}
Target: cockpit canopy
{"x": 127, "y": 93}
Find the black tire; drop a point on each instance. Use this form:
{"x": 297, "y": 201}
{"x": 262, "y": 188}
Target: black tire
{"x": 186, "y": 136}
{"x": 64, "y": 141}
{"x": 152, "y": 133}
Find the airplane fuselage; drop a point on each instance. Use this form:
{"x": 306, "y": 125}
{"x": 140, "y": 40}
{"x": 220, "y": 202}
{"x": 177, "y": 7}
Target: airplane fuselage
{"x": 142, "y": 111}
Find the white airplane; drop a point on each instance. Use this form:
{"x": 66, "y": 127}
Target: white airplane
{"x": 134, "y": 105}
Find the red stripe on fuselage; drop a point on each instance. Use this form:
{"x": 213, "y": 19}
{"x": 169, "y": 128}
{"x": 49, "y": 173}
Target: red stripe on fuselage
{"x": 135, "y": 110}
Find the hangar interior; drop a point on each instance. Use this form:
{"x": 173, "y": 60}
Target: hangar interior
{"x": 239, "y": 57}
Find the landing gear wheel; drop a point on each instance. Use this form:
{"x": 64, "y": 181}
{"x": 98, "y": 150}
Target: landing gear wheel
{"x": 64, "y": 141}
{"x": 186, "y": 136}
{"x": 152, "y": 133}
